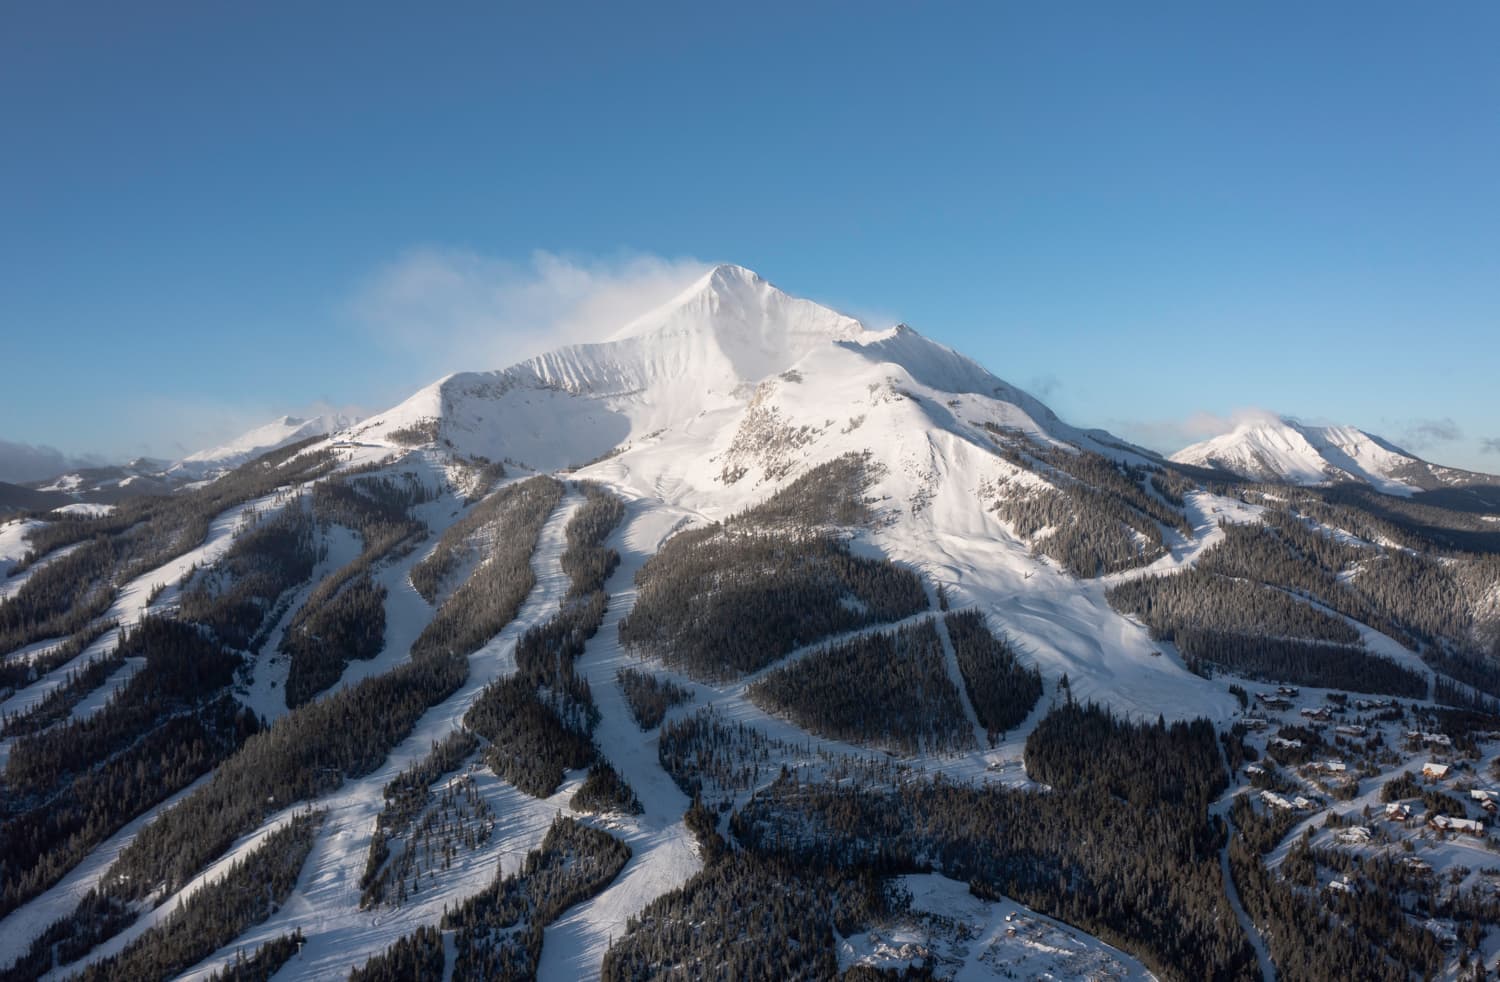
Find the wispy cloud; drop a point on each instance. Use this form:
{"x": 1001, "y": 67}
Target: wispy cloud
{"x": 454, "y": 309}
{"x": 1489, "y": 444}
{"x": 1171, "y": 435}
{"x": 1422, "y": 434}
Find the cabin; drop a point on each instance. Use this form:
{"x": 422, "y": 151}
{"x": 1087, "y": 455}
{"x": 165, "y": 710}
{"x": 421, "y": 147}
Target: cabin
{"x": 1321, "y": 714}
{"x": 1350, "y": 730}
{"x": 1397, "y": 812}
{"x": 1284, "y": 742}
{"x": 1274, "y": 702}
{"x": 1275, "y": 800}
{"x": 1430, "y": 739}
{"x": 1446, "y": 823}
{"x": 1435, "y": 770}
{"x": 1354, "y": 835}
{"x": 1290, "y": 691}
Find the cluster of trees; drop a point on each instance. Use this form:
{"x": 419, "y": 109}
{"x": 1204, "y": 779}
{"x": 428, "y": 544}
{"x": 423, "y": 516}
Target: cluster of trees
{"x": 18, "y": 672}
{"x": 1451, "y": 519}
{"x": 484, "y": 524}
{"x": 460, "y": 819}
{"x": 1198, "y": 598}
{"x": 69, "y": 591}
{"x": 70, "y": 787}
{"x": 183, "y": 668}
{"x": 1261, "y": 830}
{"x": 418, "y": 433}
{"x": 1478, "y": 673}
{"x": 1087, "y": 530}
{"x": 417, "y": 957}
{"x": 1099, "y": 515}
{"x": 650, "y": 696}
{"x": 539, "y": 722}
{"x": 1122, "y": 846}
{"x": 252, "y": 889}
{"x": 64, "y": 596}
{"x": 1419, "y": 893}
{"x": 604, "y": 790}
{"x": 1000, "y": 688}
{"x": 248, "y": 893}
{"x": 378, "y": 507}
{"x": 323, "y": 639}
{"x": 529, "y": 744}
{"x": 344, "y": 617}
{"x": 1420, "y": 599}
{"x": 586, "y": 560}
{"x": 492, "y": 595}
{"x": 305, "y": 753}
{"x": 264, "y": 963}
{"x": 1124, "y": 481}
{"x": 731, "y": 598}
{"x": 1285, "y": 553}
{"x": 1312, "y": 936}
{"x": 749, "y": 917}
{"x": 832, "y": 494}
{"x": 407, "y": 795}
{"x": 702, "y": 753}
{"x": 308, "y": 752}
{"x": 880, "y": 689}
{"x": 43, "y": 837}
{"x": 1330, "y": 666}
{"x": 234, "y": 597}
{"x": 720, "y": 602}
{"x": 499, "y": 932}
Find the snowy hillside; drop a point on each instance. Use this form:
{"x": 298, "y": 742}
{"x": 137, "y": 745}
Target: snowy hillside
{"x": 1284, "y": 450}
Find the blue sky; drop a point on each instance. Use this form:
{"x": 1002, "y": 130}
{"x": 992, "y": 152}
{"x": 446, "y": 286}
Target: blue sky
{"x": 1152, "y": 215}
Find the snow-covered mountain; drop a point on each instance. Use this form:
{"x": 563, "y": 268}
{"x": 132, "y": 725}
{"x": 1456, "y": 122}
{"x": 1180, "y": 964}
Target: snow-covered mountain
{"x": 731, "y": 386}
{"x": 263, "y": 439}
{"x": 1071, "y": 565}
{"x": 1281, "y": 449}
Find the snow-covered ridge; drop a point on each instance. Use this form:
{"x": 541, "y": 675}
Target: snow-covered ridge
{"x": 1282, "y": 449}
{"x": 263, "y": 439}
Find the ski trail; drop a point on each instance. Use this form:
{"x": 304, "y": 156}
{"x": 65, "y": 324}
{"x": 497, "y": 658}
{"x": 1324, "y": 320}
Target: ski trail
{"x": 663, "y": 855}
{"x": 325, "y": 903}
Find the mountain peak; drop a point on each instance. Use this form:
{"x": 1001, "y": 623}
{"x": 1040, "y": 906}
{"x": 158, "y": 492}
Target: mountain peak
{"x": 1285, "y": 449}
{"x": 738, "y": 306}
{"x": 730, "y": 276}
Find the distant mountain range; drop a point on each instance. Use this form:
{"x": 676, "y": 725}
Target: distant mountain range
{"x": 148, "y": 475}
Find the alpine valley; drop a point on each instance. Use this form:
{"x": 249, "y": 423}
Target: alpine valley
{"x": 750, "y": 643}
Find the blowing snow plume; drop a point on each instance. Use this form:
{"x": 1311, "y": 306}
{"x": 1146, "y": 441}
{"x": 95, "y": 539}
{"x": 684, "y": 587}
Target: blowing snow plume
{"x": 453, "y": 309}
